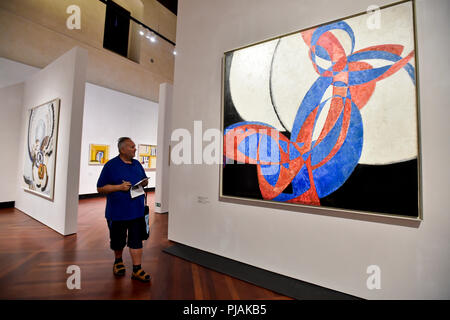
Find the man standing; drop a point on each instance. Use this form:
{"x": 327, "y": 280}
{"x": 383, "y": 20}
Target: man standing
{"x": 124, "y": 215}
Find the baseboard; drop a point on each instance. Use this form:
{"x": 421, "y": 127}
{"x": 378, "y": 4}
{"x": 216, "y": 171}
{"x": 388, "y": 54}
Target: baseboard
{"x": 7, "y": 204}
{"x": 98, "y": 195}
{"x": 90, "y": 195}
{"x": 284, "y": 285}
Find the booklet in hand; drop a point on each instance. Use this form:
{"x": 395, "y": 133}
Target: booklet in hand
{"x": 137, "y": 190}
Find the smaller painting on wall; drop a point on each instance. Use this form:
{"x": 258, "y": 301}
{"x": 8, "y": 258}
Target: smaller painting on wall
{"x": 98, "y": 154}
{"x": 40, "y": 154}
{"x": 147, "y": 156}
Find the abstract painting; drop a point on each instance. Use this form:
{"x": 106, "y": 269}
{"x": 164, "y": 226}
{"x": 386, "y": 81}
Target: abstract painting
{"x": 147, "y": 156}
{"x": 98, "y": 154}
{"x": 326, "y": 117}
{"x": 40, "y": 153}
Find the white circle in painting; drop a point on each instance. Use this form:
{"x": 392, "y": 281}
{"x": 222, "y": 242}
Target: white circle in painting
{"x": 389, "y": 122}
{"x": 292, "y": 77}
{"x": 249, "y": 83}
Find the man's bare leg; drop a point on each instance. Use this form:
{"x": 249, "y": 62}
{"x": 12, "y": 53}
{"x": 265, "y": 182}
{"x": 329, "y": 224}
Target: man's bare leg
{"x": 118, "y": 253}
{"x": 119, "y": 270}
{"x": 136, "y": 256}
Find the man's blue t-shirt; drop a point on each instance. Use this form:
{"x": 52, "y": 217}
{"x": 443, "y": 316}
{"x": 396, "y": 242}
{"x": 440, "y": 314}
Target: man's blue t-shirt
{"x": 119, "y": 204}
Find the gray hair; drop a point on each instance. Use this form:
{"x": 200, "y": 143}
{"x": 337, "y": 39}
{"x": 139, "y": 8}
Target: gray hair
{"x": 121, "y": 141}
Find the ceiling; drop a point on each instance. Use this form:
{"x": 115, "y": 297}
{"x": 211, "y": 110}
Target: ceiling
{"x": 172, "y": 5}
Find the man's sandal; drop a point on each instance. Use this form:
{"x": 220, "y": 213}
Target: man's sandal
{"x": 141, "y": 275}
{"x": 119, "y": 269}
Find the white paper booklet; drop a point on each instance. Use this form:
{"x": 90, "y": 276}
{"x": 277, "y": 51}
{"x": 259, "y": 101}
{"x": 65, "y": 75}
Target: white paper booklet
{"x": 137, "y": 190}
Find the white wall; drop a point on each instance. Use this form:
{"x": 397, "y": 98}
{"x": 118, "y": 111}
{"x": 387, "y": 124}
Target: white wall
{"x": 12, "y": 75}
{"x": 162, "y": 161}
{"x": 330, "y": 249}
{"x": 10, "y": 120}
{"x": 108, "y": 115}
{"x": 12, "y": 72}
{"x": 64, "y": 79}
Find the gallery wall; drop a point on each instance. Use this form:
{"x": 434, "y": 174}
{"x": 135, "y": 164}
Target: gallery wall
{"x": 63, "y": 79}
{"x": 162, "y": 161}
{"x": 102, "y": 105}
{"x": 12, "y": 72}
{"x": 108, "y": 115}
{"x": 328, "y": 248}
{"x": 12, "y": 75}
{"x": 11, "y": 117}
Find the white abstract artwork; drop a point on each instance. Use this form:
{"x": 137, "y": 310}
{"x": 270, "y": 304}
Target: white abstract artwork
{"x": 40, "y": 153}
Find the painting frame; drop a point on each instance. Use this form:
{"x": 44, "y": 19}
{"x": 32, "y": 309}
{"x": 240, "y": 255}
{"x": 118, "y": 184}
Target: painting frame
{"x": 51, "y": 152}
{"x": 147, "y": 156}
{"x": 96, "y": 149}
{"x": 296, "y": 206}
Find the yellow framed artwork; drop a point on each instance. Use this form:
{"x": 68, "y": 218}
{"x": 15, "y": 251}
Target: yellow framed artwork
{"x": 147, "y": 156}
{"x": 98, "y": 154}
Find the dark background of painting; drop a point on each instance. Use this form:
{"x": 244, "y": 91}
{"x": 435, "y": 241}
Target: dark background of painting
{"x": 391, "y": 189}
{"x": 388, "y": 189}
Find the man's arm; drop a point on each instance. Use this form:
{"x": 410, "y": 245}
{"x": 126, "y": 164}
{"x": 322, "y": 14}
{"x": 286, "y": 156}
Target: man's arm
{"x": 109, "y": 188}
{"x": 145, "y": 183}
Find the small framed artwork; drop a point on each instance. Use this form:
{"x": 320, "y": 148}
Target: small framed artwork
{"x": 147, "y": 156}
{"x": 98, "y": 154}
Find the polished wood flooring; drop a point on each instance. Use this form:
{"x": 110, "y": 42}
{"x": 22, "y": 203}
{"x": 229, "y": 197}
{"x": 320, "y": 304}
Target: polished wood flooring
{"x": 34, "y": 261}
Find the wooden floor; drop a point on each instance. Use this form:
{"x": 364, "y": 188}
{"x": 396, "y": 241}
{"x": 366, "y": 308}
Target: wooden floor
{"x": 34, "y": 260}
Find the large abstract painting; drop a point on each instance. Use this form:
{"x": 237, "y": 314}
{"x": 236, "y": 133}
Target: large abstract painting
{"x": 40, "y": 153}
{"x": 327, "y": 117}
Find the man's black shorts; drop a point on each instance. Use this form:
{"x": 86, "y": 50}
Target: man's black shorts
{"x": 119, "y": 230}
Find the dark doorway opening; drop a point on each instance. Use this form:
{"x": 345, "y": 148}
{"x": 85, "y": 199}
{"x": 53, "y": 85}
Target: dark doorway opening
{"x": 117, "y": 28}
